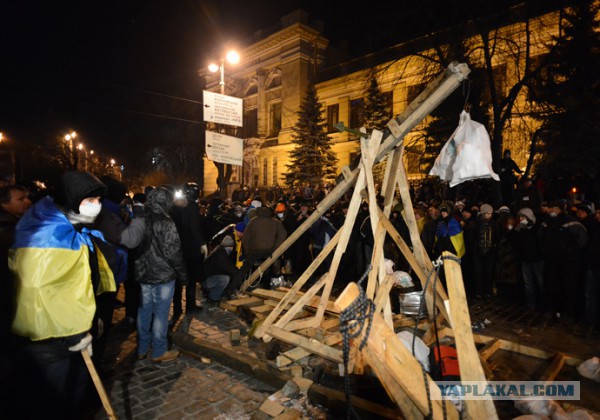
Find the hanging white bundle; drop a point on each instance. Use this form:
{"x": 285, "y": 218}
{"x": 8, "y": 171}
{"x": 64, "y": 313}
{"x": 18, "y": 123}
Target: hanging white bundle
{"x": 466, "y": 155}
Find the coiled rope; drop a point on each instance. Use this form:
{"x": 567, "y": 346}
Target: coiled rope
{"x": 357, "y": 317}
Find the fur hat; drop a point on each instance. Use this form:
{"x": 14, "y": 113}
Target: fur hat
{"x": 527, "y": 213}
{"x": 486, "y": 208}
{"x": 504, "y": 209}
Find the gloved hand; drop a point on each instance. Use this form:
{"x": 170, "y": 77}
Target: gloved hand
{"x": 204, "y": 250}
{"x": 138, "y": 210}
{"x": 85, "y": 343}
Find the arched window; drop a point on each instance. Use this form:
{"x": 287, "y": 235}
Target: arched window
{"x": 274, "y": 79}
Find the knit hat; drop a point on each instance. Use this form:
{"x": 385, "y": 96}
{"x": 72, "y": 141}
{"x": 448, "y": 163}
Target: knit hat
{"x": 240, "y": 227}
{"x": 527, "y": 213}
{"x": 586, "y": 206}
{"x": 486, "y": 208}
{"x": 227, "y": 241}
{"x": 504, "y": 209}
{"x": 77, "y": 185}
{"x": 280, "y": 208}
{"x": 116, "y": 190}
{"x": 256, "y": 204}
{"x": 446, "y": 206}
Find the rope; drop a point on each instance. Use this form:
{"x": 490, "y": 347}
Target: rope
{"x": 437, "y": 266}
{"x": 353, "y": 321}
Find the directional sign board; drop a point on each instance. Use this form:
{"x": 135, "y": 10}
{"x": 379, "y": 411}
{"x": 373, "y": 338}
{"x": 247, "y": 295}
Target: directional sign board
{"x": 223, "y": 109}
{"x": 224, "y": 149}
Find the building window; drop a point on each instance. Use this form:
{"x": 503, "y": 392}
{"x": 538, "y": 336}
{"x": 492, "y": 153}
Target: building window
{"x": 389, "y": 104}
{"x": 413, "y": 91}
{"x": 356, "y": 112}
{"x": 275, "y": 173}
{"x": 274, "y": 119}
{"x": 251, "y": 123}
{"x": 265, "y": 170}
{"x": 333, "y": 117}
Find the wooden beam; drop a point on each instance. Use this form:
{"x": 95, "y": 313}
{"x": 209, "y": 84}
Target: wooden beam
{"x": 468, "y": 357}
{"x": 489, "y": 349}
{"x": 553, "y": 370}
{"x": 310, "y": 345}
{"x": 397, "y": 361}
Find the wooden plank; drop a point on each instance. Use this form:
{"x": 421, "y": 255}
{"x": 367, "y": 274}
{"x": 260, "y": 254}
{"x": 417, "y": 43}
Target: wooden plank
{"x": 398, "y": 362}
{"x": 330, "y": 323}
{"x": 274, "y": 294}
{"x": 310, "y": 345}
{"x": 489, "y": 349}
{"x": 553, "y": 370}
{"x": 232, "y": 305}
{"x": 291, "y": 356}
{"x": 393, "y": 388}
{"x": 468, "y": 357}
{"x": 110, "y": 412}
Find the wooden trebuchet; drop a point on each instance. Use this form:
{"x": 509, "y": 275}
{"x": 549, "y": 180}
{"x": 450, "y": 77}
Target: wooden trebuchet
{"x": 427, "y": 101}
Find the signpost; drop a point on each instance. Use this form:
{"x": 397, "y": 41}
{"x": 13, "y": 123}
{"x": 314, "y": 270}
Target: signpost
{"x": 223, "y": 109}
{"x": 224, "y": 149}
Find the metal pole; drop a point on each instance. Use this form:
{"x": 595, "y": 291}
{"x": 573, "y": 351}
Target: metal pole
{"x": 222, "y": 182}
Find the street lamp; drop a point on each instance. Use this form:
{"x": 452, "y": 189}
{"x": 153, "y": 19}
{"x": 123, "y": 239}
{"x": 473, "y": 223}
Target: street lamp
{"x": 70, "y": 137}
{"x": 232, "y": 57}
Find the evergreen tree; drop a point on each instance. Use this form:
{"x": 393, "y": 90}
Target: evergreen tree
{"x": 568, "y": 97}
{"x": 375, "y": 117}
{"x": 312, "y": 160}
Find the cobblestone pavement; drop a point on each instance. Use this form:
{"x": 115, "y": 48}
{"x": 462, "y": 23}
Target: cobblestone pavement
{"x": 191, "y": 387}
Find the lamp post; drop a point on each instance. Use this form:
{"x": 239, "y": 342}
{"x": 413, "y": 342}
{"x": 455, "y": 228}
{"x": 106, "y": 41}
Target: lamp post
{"x": 231, "y": 57}
{"x": 70, "y": 137}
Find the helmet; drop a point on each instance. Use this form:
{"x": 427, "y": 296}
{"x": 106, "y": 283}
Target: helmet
{"x": 191, "y": 190}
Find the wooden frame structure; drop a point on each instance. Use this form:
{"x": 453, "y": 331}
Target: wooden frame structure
{"x": 395, "y": 366}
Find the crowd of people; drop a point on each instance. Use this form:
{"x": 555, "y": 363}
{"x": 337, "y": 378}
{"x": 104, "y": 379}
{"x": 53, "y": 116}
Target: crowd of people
{"x": 65, "y": 256}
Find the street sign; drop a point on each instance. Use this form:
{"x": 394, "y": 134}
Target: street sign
{"x": 224, "y": 149}
{"x": 223, "y": 109}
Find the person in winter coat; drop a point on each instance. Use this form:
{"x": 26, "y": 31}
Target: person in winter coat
{"x": 526, "y": 240}
{"x": 219, "y": 268}
{"x": 563, "y": 239}
{"x": 262, "y": 236}
{"x": 159, "y": 265}
{"x": 483, "y": 242}
{"x": 322, "y": 231}
{"x": 120, "y": 238}
{"x": 448, "y": 233}
{"x": 186, "y": 215}
{"x": 58, "y": 269}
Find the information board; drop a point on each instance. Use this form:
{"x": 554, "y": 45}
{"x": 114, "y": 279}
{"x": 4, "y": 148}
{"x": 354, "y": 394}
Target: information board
{"x": 224, "y": 149}
{"x": 223, "y": 109}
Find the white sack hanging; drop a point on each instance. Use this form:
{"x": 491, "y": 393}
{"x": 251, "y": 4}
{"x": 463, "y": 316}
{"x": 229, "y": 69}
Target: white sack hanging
{"x": 466, "y": 155}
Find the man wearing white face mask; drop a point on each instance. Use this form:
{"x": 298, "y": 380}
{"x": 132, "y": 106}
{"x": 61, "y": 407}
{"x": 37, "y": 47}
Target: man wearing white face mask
{"x": 58, "y": 270}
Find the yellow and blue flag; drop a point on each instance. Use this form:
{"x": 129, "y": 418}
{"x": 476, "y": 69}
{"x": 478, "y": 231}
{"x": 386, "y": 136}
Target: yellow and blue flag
{"x": 54, "y": 296}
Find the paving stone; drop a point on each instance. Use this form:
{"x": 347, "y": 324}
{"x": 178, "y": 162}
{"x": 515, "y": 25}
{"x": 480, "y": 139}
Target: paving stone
{"x": 196, "y": 407}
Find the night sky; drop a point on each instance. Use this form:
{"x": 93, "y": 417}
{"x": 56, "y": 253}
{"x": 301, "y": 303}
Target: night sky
{"x": 116, "y": 71}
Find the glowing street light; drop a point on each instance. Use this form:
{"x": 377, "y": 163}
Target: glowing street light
{"x": 232, "y": 57}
